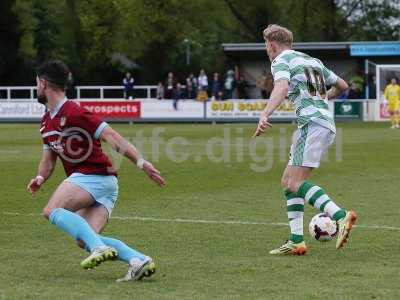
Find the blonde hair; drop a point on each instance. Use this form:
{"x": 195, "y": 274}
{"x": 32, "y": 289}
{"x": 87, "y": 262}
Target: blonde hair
{"x": 279, "y": 34}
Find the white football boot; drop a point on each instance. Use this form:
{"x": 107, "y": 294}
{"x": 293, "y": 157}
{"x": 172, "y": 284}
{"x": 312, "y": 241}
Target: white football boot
{"x": 138, "y": 269}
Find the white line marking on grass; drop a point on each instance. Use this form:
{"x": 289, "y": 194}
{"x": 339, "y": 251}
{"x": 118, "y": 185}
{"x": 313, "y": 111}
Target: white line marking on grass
{"x": 199, "y": 221}
{"x": 19, "y": 214}
{"x": 222, "y": 222}
{"x": 10, "y": 151}
{"x": 196, "y": 221}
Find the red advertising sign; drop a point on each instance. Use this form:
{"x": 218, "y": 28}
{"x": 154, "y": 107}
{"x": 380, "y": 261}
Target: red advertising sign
{"x": 113, "y": 109}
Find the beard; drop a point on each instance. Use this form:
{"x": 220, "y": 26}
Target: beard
{"x": 41, "y": 98}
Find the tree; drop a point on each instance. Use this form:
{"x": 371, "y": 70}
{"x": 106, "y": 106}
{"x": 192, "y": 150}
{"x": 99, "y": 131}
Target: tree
{"x": 88, "y": 34}
{"x": 155, "y": 31}
{"x": 10, "y": 37}
{"x": 372, "y": 20}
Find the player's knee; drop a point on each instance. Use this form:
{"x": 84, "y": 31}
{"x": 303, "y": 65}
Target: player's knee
{"x": 47, "y": 212}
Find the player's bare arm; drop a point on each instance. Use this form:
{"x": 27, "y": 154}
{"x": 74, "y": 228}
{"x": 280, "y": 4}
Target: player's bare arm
{"x": 122, "y": 146}
{"x": 278, "y": 95}
{"x": 337, "y": 89}
{"x": 45, "y": 169}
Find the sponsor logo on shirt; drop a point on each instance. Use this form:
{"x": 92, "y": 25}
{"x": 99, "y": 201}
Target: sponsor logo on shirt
{"x": 63, "y": 120}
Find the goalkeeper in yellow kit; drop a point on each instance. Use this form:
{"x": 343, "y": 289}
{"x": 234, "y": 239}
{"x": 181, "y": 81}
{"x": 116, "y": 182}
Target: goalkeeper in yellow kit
{"x": 392, "y": 95}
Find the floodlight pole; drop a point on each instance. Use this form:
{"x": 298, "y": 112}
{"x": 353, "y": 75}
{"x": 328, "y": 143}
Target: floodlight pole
{"x": 366, "y": 79}
{"x": 187, "y": 43}
{"x": 378, "y": 88}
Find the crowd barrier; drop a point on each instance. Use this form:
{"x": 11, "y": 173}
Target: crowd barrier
{"x": 153, "y": 110}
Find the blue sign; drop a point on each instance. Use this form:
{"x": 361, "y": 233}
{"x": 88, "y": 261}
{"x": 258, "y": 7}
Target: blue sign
{"x": 376, "y": 49}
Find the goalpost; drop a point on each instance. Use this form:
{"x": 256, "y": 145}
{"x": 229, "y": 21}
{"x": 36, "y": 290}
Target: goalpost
{"x": 383, "y": 75}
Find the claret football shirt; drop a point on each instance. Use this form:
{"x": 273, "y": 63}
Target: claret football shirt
{"x": 73, "y": 133}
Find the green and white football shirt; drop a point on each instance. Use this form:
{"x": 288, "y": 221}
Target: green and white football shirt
{"x": 307, "y": 78}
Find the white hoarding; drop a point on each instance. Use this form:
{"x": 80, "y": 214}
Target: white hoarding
{"x": 165, "y": 109}
{"x": 17, "y": 109}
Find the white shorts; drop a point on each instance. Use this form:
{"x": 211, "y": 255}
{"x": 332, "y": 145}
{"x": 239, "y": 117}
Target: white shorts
{"x": 310, "y": 143}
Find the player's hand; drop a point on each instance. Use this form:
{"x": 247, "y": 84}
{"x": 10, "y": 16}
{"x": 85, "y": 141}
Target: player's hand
{"x": 35, "y": 184}
{"x": 153, "y": 174}
{"x": 263, "y": 124}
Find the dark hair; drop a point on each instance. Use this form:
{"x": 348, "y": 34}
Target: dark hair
{"x": 54, "y": 71}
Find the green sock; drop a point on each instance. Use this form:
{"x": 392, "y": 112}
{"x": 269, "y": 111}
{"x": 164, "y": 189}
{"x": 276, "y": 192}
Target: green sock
{"x": 317, "y": 197}
{"x": 295, "y": 211}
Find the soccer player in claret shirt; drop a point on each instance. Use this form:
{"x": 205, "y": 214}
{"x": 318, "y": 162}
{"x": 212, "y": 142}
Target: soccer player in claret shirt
{"x": 303, "y": 79}
{"x": 82, "y": 203}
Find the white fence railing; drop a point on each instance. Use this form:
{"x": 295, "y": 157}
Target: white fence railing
{"x": 29, "y": 92}
{"x": 371, "y": 109}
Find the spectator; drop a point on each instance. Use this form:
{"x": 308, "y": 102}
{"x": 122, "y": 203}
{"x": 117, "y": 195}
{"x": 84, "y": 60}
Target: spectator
{"x": 128, "y": 83}
{"x": 193, "y": 81}
{"x": 358, "y": 85}
{"x": 169, "y": 86}
{"x": 160, "y": 91}
{"x": 203, "y": 81}
{"x": 266, "y": 84}
{"x": 344, "y": 96}
{"x": 372, "y": 87}
{"x": 70, "y": 90}
{"x": 177, "y": 94}
{"x": 202, "y": 96}
{"x": 190, "y": 90}
{"x": 242, "y": 86}
{"x": 354, "y": 91}
{"x": 216, "y": 88}
{"x": 229, "y": 84}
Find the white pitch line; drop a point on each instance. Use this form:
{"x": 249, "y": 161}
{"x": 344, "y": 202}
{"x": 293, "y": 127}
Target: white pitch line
{"x": 222, "y": 222}
{"x": 199, "y": 221}
{"x": 10, "y": 151}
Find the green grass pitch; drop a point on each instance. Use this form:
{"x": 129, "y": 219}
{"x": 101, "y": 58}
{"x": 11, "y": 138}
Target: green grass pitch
{"x": 211, "y": 228}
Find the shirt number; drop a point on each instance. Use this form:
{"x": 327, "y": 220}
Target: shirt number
{"x": 315, "y": 82}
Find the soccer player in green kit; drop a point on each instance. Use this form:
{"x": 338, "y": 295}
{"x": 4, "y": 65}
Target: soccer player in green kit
{"x": 303, "y": 79}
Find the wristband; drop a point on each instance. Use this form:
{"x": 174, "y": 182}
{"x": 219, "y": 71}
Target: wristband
{"x": 39, "y": 177}
{"x": 140, "y": 162}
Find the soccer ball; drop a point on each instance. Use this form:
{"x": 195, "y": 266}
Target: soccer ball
{"x": 323, "y": 228}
